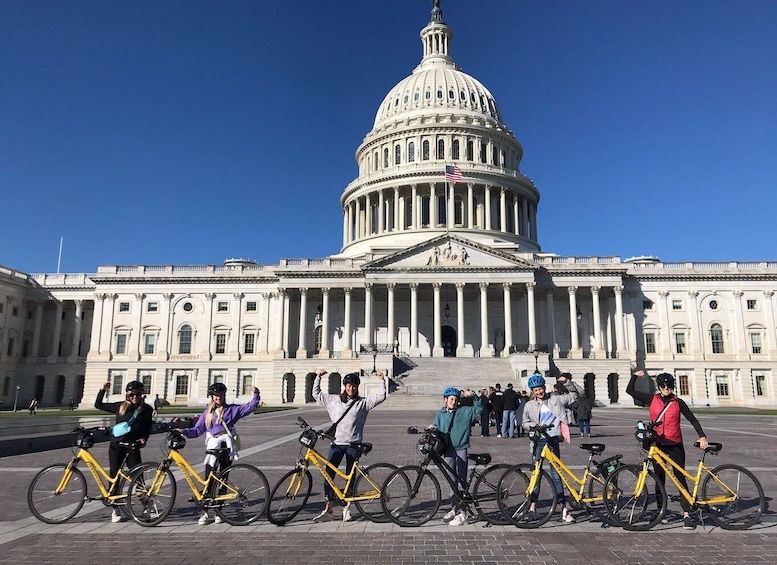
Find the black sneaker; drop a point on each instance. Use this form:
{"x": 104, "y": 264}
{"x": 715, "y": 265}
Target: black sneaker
{"x": 688, "y": 523}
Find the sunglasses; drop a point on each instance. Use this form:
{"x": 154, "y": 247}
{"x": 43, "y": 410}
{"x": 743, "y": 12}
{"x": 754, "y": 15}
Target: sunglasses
{"x": 134, "y": 394}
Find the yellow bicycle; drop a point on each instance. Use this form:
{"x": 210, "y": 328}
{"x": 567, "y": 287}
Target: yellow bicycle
{"x": 636, "y": 498}
{"x": 58, "y": 492}
{"x": 238, "y": 493}
{"x": 362, "y": 485}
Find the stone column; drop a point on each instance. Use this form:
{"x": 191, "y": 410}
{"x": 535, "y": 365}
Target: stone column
{"x": 525, "y": 219}
{"x": 598, "y": 348}
{"x": 460, "y": 345}
{"x": 437, "y": 350}
{"x": 516, "y": 217}
{"x": 279, "y": 298}
{"x": 302, "y": 352}
{"x": 368, "y": 314}
{"x": 622, "y": 351}
{"x": 696, "y": 345}
{"x": 397, "y": 208}
{"x": 367, "y": 216}
{"x": 108, "y": 327}
{"x": 391, "y": 329}
{"x": 266, "y": 296}
{"x": 323, "y": 352}
{"x": 74, "y": 348}
{"x": 348, "y": 346}
{"x": 286, "y": 311}
{"x": 470, "y": 205}
{"x": 208, "y": 329}
{"x": 740, "y": 333}
{"x": 530, "y": 315}
{"x": 508, "y": 316}
{"x": 346, "y": 217}
{"x": 381, "y": 212}
{"x": 433, "y": 220}
{"x": 167, "y": 324}
{"x": 414, "y": 319}
{"x": 485, "y": 349}
{"x": 503, "y": 209}
{"x": 574, "y": 348}
{"x": 552, "y": 319}
{"x": 487, "y": 207}
{"x": 56, "y": 337}
{"x": 770, "y": 341}
{"x": 663, "y": 315}
{"x": 39, "y": 319}
{"x": 414, "y": 209}
{"x": 358, "y": 231}
{"x": 235, "y": 333}
{"x": 134, "y": 346}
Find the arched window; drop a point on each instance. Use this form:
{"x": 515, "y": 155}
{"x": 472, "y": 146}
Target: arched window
{"x": 716, "y": 338}
{"x": 495, "y": 156}
{"x": 451, "y": 94}
{"x": 416, "y": 96}
{"x": 397, "y": 154}
{"x": 185, "y": 340}
{"x": 439, "y": 94}
{"x": 428, "y": 95}
{"x": 441, "y": 149}
{"x": 470, "y": 150}
{"x": 425, "y": 150}
{"x": 455, "y": 150}
{"x": 385, "y": 157}
{"x": 483, "y": 151}
{"x": 458, "y": 211}
{"x": 410, "y": 152}
{"x": 376, "y": 162}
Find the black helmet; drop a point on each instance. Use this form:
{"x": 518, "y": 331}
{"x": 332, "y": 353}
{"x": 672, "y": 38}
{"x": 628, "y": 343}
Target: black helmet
{"x": 134, "y": 385}
{"x": 217, "y": 388}
{"x": 665, "y": 380}
{"x": 352, "y": 378}
{"x": 176, "y": 441}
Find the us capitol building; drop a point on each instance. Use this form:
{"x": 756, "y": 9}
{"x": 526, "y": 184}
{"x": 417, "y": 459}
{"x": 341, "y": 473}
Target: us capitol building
{"x": 439, "y": 279}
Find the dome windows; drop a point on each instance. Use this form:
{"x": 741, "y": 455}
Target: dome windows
{"x": 439, "y": 94}
{"x": 425, "y": 150}
{"x": 451, "y": 94}
{"x": 455, "y": 150}
{"x": 411, "y": 152}
{"x": 428, "y": 95}
{"x": 416, "y": 96}
{"x": 440, "y": 149}
{"x": 397, "y": 154}
{"x": 463, "y": 96}
{"x": 404, "y": 101}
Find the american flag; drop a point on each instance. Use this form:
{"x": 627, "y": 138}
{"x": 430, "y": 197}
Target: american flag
{"x": 452, "y": 173}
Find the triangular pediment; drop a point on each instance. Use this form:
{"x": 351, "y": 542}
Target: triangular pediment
{"x": 449, "y": 252}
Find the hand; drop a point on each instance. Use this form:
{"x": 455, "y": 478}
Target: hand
{"x": 467, "y": 392}
{"x": 142, "y": 442}
{"x": 321, "y": 372}
{"x": 255, "y": 390}
{"x": 380, "y": 375}
{"x": 640, "y": 373}
{"x": 703, "y": 443}
{"x": 106, "y": 386}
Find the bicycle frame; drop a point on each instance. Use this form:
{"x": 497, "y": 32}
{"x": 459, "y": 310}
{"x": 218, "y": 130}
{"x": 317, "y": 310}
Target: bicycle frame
{"x": 322, "y": 464}
{"x": 566, "y": 475}
{"x": 196, "y": 483}
{"x": 100, "y": 475}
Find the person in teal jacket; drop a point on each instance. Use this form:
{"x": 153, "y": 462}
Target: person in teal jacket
{"x": 456, "y": 455}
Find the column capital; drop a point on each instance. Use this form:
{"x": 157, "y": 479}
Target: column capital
{"x": 139, "y": 296}
{"x": 738, "y": 293}
{"x": 663, "y": 293}
{"x": 507, "y": 285}
{"x": 238, "y": 295}
{"x": 97, "y": 296}
{"x": 530, "y": 286}
{"x": 391, "y": 286}
{"x": 693, "y": 294}
{"x": 168, "y": 296}
{"x": 209, "y": 296}
{"x": 436, "y": 285}
{"x": 347, "y": 290}
{"x": 460, "y": 285}
{"x": 483, "y": 285}
{"x": 617, "y": 289}
{"x": 325, "y": 290}
{"x": 303, "y": 290}
{"x": 595, "y": 290}
{"x": 413, "y": 286}
{"x": 572, "y": 290}
{"x": 267, "y": 295}
{"x": 368, "y": 286}
{"x": 768, "y": 293}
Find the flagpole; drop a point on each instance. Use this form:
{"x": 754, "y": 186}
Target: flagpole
{"x": 59, "y": 257}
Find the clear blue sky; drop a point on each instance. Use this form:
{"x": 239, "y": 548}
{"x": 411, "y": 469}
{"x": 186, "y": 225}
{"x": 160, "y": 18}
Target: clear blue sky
{"x": 183, "y": 132}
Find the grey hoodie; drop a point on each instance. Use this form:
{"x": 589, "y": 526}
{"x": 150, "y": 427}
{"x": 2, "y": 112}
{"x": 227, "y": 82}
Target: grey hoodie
{"x": 351, "y": 428}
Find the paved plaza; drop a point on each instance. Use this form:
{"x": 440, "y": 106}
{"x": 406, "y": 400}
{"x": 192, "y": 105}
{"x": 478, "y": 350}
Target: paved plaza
{"x": 270, "y": 442}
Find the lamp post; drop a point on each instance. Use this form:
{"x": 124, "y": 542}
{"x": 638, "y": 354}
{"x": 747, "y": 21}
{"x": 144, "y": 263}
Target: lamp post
{"x": 374, "y": 358}
{"x": 536, "y": 360}
{"x": 16, "y": 399}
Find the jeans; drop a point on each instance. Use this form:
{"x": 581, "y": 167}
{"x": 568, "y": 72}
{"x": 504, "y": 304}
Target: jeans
{"x": 585, "y": 427}
{"x": 554, "y": 447}
{"x": 457, "y": 460}
{"x": 335, "y": 456}
{"x": 508, "y": 421}
{"x": 484, "y": 423}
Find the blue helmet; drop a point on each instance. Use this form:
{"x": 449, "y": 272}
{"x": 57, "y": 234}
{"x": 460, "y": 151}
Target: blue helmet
{"x": 451, "y": 391}
{"x": 536, "y": 381}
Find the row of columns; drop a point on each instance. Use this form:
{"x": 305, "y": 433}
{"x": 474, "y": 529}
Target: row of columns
{"x": 56, "y": 335}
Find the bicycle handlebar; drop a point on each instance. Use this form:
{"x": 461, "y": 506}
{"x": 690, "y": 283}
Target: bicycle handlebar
{"x": 304, "y": 425}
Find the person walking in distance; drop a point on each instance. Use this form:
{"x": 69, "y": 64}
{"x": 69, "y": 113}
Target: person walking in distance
{"x": 497, "y": 399}
{"x": 511, "y": 401}
{"x": 583, "y": 408}
{"x": 485, "y": 415}
{"x": 349, "y": 412}
{"x": 33, "y": 406}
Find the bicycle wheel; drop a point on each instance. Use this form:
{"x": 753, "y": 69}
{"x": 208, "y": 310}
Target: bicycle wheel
{"x": 289, "y": 496}
{"x": 595, "y": 490}
{"x": 151, "y": 495}
{"x": 636, "y": 499}
{"x": 240, "y": 494}
{"x": 517, "y": 498}
{"x": 372, "y": 509}
{"x": 745, "y": 503}
{"x": 410, "y": 496}
{"x": 53, "y": 507}
{"x": 485, "y": 493}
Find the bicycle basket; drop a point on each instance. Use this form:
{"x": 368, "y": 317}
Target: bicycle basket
{"x": 644, "y": 434}
{"x": 534, "y": 434}
{"x": 607, "y": 466}
{"x": 85, "y": 440}
{"x": 176, "y": 441}
{"x": 308, "y": 438}
{"x": 432, "y": 440}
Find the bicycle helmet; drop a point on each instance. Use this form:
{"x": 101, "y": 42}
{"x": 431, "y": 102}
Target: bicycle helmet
{"x": 176, "y": 441}
{"x": 217, "y": 388}
{"x": 665, "y": 380}
{"x": 352, "y": 379}
{"x": 536, "y": 381}
{"x": 451, "y": 391}
{"x": 134, "y": 385}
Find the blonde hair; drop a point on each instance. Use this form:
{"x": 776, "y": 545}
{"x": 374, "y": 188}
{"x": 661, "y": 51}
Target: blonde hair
{"x": 127, "y": 404}
{"x": 209, "y": 416}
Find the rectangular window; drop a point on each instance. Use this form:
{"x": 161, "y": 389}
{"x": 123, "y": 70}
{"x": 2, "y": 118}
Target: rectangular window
{"x": 149, "y": 344}
{"x": 755, "y": 342}
{"x": 679, "y": 342}
{"x": 218, "y": 378}
{"x": 251, "y": 306}
{"x": 124, "y": 306}
{"x": 647, "y": 304}
{"x": 2, "y": 307}
{"x": 222, "y": 307}
{"x": 181, "y": 385}
{"x": 684, "y": 385}
{"x": 146, "y": 380}
{"x": 248, "y": 382}
{"x": 152, "y": 307}
{"x": 752, "y": 304}
{"x": 9, "y": 351}
{"x": 6, "y": 386}
{"x": 760, "y": 385}
{"x": 650, "y": 342}
{"x": 721, "y": 385}
{"x": 121, "y": 344}
{"x": 118, "y": 384}
{"x": 249, "y": 343}
{"x": 15, "y": 311}
{"x": 677, "y": 304}
{"x": 30, "y": 314}
{"x": 221, "y": 343}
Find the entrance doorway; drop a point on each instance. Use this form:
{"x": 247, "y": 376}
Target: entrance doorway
{"x": 612, "y": 387}
{"x": 448, "y": 341}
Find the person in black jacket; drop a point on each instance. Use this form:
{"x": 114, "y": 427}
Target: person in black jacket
{"x": 137, "y": 413}
{"x": 485, "y": 415}
{"x": 497, "y": 399}
{"x": 511, "y": 402}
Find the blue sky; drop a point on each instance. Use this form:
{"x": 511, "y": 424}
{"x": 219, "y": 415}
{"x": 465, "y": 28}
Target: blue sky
{"x": 181, "y": 132}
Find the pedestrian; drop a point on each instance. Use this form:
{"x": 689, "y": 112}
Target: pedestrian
{"x": 348, "y": 412}
{"x": 457, "y": 421}
{"x": 71, "y": 404}
{"x": 134, "y": 415}
{"x": 485, "y": 415}
{"x": 508, "y": 411}
{"x": 157, "y": 405}
{"x": 217, "y": 422}
{"x": 583, "y": 408}
{"x": 549, "y": 410}
{"x": 665, "y": 410}
{"x": 33, "y": 406}
{"x": 497, "y": 405}
{"x": 520, "y": 431}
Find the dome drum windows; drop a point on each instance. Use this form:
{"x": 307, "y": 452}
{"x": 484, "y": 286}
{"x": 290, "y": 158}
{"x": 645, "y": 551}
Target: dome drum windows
{"x": 440, "y": 149}
{"x": 425, "y": 150}
{"x": 397, "y": 154}
{"x": 455, "y": 150}
{"x": 411, "y": 152}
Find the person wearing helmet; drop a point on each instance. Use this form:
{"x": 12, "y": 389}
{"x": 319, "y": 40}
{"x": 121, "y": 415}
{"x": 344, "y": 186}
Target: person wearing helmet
{"x": 543, "y": 409}
{"x": 217, "y": 422}
{"x": 456, "y": 420}
{"x": 349, "y": 411}
{"x": 134, "y": 411}
{"x": 665, "y": 407}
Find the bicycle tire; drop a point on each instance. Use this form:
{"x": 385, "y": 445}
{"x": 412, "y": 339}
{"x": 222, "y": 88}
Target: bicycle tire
{"x": 372, "y": 509}
{"x": 52, "y": 508}
{"x": 749, "y": 505}
{"x": 411, "y": 496}
{"x": 516, "y": 501}
{"x": 595, "y": 489}
{"x": 149, "y": 508}
{"x": 246, "y": 488}
{"x": 485, "y": 493}
{"x": 289, "y": 496}
{"x": 631, "y": 506}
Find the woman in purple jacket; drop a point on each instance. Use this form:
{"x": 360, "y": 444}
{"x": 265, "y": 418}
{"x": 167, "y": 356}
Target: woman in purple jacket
{"x": 218, "y": 423}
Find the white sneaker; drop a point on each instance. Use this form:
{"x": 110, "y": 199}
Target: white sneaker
{"x": 566, "y": 516}
{"x": 459, "y": 520}
{"x": 323, "y": 517}
{"x": 204, "y": 519}
{"x": 347, "y": 513}
{"x": 218, "y": 519}
{"x": 450, "y": 515}
{"x": 117, "y": 517}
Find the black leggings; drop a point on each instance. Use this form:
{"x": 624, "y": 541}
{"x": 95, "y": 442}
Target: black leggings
{"x": 117, "y": 455}
{"x": 677, "y": 454}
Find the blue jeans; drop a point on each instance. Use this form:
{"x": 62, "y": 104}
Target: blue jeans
{"x": 335, "y": 456}
{"x": 508, "y": 421}
{"x": 585, "y": 427}
{"x": 554, "y": 447}
{"x": 457, "y": 460}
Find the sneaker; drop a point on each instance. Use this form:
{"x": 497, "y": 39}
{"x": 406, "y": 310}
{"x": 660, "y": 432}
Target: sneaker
{"x": 204, "y": 519}
{"x": 450, "y": 515}
{"x": 688, "y": 523}
{"x": 347, "y": 513}
{"x": 218, "y": 519}
{"x": 117, "y": 517}
{"x": 459, "y": 520}
{"x": 324, "y": 516}
{"x": 566, "y": 516}
{"x": 530, "y": 516}
{"x": 498, "y": 435}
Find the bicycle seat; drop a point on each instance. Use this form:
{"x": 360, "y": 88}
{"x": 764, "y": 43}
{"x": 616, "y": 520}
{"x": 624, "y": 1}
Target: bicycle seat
{"x": 218, "y": 451}
{"x": 711, "y": 447}
{"x": 479, "y": 458}
{"x": 362, "y": 448}
{"x": 595, "y": 448}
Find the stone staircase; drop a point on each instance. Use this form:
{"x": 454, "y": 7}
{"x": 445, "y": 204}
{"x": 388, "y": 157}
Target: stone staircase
{"x": 420, "y": 381}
